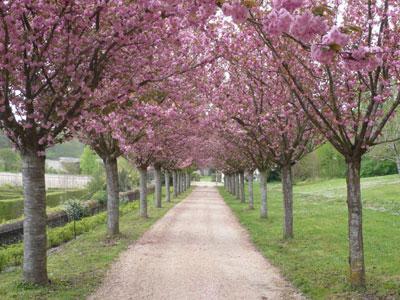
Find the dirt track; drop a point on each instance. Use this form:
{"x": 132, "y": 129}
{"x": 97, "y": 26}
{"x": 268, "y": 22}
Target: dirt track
{"x": 197, "y": 251}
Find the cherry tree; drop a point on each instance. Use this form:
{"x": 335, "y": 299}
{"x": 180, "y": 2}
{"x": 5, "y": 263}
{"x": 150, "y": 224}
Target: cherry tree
{"x": 53, "y": 57}
{"x": 341, "y": 63}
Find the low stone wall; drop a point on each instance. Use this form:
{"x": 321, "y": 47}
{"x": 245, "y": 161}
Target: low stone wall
{"x": 134, "y": 195}
{"x": 13, "y": 232}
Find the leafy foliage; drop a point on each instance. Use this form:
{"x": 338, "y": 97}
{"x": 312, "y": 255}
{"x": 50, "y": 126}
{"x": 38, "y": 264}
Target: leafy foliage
{"x": 89, "y": 162}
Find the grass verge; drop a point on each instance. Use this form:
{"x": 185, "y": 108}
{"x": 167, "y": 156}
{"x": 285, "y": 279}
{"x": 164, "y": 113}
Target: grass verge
{"x": 77, "y": 267}
{"x": 315, "y": 261}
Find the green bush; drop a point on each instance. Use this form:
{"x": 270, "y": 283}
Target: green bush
{"x": 100, "y": 197}
{"x": 195, "y": 176}
{"x": 97, "y": 183}
{"x": 90, "y": 164}
{"x": 57, "y": 198}
{"x": 372, "y": 167}
{"x": 10, "y": 160}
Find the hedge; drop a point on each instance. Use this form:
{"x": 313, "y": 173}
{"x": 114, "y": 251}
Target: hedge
{"x": 12, "y": 255}
{"x": 14, "y": 208}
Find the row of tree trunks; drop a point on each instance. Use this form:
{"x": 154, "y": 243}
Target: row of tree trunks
{"x": 235, "y": 186}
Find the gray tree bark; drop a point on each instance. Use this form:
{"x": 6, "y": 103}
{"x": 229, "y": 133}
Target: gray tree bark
{"x": 251, "y": 194}
{"x": 158, "y": 187}
{"x": 111, "y": 167}
{"x": 287, "y": 188}
{"x": 356, "y": 242}
{"x": 35, "y": 238}
{"x": 143, "y": 192}
{"x": 232, "y": 184}
{"x": 263, "y": 189}
{"x": 185, "y": 185}
{"x": 183, "y": 178}
{"x": 187, "y": 180}
{"x": 398, "y": 164}
{"x": 167, "y": 187}
{"x": 178, "y": 182}
{"x": 237, "y": 186}
{"x": 242, "y": 192}
{"x": 175, "y": 183}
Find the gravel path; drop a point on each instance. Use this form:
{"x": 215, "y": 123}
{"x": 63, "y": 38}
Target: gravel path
{"x": 197, "y": 251}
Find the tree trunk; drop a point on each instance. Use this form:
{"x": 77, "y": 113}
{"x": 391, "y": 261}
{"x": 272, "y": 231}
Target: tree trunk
{"x": 185, "y": 186}
{"x": 237, "y": 186}
{"x": 167, "y": 187}
{"x": 143, "y": 192}
{"x": 287, "y": 188}
{"x": 175, "y": 183}
{"x": 251, "y": 195}
{"x": 354, "y": 204}
{"x": 398, "y": 164}
{"x": 179, "y": 184}
{"x": 183, "y": 182}
{"x": 113, "y": 196}
{"x": 232, "y": 180}
{"x": 187, "y": 180}
{"x": 35, "y": 239}
{"x": 158, "y": 187}
{"x": 263, "y": 189}
{"x": 242, "y": 192}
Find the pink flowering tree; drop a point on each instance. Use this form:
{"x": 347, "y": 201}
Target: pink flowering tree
{"x": 341, "y": 63}
{"x": 53, "y": 57}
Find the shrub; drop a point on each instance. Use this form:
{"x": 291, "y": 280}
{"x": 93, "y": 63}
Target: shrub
{"x": 75, "y": 211}
{"x": 100, "y": 197}
{"x": 195, "y": 176}
{"x": 89, "y": 162}
{"x": 97, "y": 183}
{"x": 372, "y": 167}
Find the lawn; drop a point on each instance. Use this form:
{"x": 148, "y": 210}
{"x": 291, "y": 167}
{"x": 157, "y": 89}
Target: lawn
{"x": 206, "y": 178}
{"x": 78, "y": 267}
{"x": 316, "y": 260}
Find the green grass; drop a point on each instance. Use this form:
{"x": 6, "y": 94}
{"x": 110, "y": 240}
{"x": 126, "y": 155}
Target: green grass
{"x": 315, "y": 261}
{"x": 206, "y": 178}
{"x": 77, "y": 267}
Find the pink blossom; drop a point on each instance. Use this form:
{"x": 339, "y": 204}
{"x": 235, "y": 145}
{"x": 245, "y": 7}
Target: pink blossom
{"x": 335, "y": 37}
{"x": 278, "y": 21}
{"x": 238, "y": 12}
{"x": 364, "y": 58}
{"x": 305, "y": 27}
{"x": 289, "y": 5}
{"x": 322, "y": 54}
